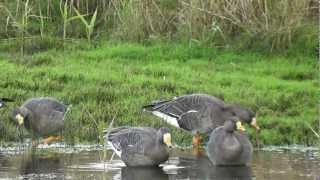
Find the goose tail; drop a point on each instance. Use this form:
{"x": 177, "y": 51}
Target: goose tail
{"x": 155, "y": 105}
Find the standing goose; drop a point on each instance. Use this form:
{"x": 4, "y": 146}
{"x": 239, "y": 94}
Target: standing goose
{"x": 140, "y": 146}
{"x": 199, "y": 113}
{"x": 43, "y": 116}
{"x": 227, "y": 146}
{"x": 4, "y": 100}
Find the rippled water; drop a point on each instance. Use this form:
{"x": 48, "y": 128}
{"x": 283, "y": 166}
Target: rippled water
{"x": 93, "y": 162}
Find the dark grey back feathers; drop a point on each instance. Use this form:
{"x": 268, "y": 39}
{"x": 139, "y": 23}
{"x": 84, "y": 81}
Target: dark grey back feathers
{"x": 138, "y": 146}
{"x": 197, "y": 112}
{"x": 43, "y": 115}
{"x": 126, "y": 137}
{"x": 227, "y": 147}
{"x": 45, "y": 104}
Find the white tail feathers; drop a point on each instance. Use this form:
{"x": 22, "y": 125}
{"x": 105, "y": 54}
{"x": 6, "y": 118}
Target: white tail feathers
{"x": 170, "y": 120}
{"x": 118, "y": 152}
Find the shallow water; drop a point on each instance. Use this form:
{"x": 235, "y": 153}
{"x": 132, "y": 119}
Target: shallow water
{"x": 93, "y": 162}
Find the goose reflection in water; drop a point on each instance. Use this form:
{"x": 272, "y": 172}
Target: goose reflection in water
{"x": 4, "y": 162}
{"x": 200, "y": 167}
{"x": 139, "y": 173}
{"x": 33, "y": 165}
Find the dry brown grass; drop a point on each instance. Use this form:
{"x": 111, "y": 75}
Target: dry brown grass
{"x": 212, "y": 21}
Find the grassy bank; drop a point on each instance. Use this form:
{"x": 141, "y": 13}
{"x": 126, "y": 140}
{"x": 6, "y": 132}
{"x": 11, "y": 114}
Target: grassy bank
{"x": 115, "y": 80}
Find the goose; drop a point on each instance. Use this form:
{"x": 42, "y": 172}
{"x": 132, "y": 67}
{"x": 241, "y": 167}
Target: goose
{"x": 43, "y": 117}
{"x": 140, "y": 146}
{"x": 199, "y": 113}
{"x": 229, "y": 145}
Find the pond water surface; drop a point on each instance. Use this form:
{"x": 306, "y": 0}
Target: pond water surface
{"x": 93, "y": 162}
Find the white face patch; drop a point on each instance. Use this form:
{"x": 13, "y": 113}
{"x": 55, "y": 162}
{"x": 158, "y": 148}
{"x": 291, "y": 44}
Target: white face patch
{"x": 254, "y": 124}
{"x": 254, "y": 121}
{"x": 1, "y": 104}
{"x": 240, "y": 126}
{"x": 20, "y": 119}
{"x": 167, "y": 139}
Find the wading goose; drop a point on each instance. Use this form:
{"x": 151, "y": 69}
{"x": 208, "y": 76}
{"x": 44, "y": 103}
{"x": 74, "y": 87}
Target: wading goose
{"x": 228, "y": 146}
{"x": 199, "y": 113}
{"x": 42, "y": 116}
{"x": 140, "y": 146}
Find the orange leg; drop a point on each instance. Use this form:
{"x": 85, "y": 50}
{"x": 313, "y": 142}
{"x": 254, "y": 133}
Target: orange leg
{"x": 196, "y": 140}
{"x": 35, "y": 143}
{"x": 197, "y": 151}
{"x": 51, "y": 139}
{"x": 196, "y": 144}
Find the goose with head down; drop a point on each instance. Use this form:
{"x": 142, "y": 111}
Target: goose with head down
{"x": 140, "y": 146}
{"x": 43, "y": 117}
{"x": 199, "y": 113}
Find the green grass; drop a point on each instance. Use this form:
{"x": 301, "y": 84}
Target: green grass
{"x": 115, "y": 80}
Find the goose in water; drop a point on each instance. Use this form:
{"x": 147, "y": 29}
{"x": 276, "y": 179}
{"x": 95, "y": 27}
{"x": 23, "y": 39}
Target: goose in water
{"x": 229, "y": 145}
{"x": 140, "y": 146}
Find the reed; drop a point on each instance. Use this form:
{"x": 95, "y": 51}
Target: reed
{"x": 20, "y": 21}
{"x": 88, "y": 25}
{"x": 41, "y": 17}
{"x": 265, "y": 24}
{"x": 64, "y": 10}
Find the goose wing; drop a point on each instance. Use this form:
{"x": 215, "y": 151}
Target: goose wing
{"x": 190, "y": 112}
{"x": 126, "y": 140}
{"x": 46, "y": 108}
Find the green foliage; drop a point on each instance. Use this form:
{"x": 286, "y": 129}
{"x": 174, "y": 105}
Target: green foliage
{"x": 117, "y": 79}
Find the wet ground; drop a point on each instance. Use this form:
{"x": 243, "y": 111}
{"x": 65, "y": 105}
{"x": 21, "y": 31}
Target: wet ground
{"x": 93, "y": 162}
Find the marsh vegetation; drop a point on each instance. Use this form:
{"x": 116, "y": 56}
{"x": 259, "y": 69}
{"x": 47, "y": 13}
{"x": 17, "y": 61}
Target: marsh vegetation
{"x": 108, "y": 58}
